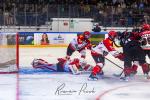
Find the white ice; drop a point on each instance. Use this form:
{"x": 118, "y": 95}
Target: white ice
{"x": 44, "y": 86}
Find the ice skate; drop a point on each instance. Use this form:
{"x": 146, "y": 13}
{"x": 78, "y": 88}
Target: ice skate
{"x": 93, "y": 77}
{"x": 125, "y": 78}
{"x": 133, "y": 73}
{"x": 146, "y": 76}
{"x": 101, "y": 74}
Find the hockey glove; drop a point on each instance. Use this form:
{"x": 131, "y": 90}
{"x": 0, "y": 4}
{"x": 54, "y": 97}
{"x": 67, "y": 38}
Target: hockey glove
{"x": 105, "y": 53}
{"x": 89, "y": 46}
{"x": 120, "y": 56}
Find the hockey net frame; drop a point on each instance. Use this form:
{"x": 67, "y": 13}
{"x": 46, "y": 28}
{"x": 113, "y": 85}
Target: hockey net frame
{"x": 13, "y": 60}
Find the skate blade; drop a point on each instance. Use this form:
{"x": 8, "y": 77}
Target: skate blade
{"x": 116, "y": 75}
{"x": 92, "y": 79}
{"x": 124, "y": 79}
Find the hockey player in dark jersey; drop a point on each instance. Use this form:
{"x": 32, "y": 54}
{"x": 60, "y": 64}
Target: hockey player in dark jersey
{"x": 132, "y": 53}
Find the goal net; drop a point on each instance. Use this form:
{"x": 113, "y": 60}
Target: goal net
{"x": 8, "y": 53}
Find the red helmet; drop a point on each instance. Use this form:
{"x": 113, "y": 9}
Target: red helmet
{"x": 112, "y": 35}
{"x": 145, "y": 26}
{"x": 87, "y": 34}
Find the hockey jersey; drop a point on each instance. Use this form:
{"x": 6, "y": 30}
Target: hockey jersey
{"x": 71, "y": 65}
{"x": 146, "y": 40}
{"x": 79, "y": 43}
{"x": 105, "y": 45}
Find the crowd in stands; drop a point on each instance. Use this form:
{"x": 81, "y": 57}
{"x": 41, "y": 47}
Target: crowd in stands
{"x": 105, "y": 12}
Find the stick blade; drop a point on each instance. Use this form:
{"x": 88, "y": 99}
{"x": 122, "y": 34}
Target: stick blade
{"x": 117, "y": 75}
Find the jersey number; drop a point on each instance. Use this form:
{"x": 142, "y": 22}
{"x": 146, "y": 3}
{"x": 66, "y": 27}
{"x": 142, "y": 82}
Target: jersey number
{"x": 146, "y": 41}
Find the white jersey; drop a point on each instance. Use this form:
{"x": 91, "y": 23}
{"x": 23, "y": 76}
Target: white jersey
{"x": 79, "y": 43}
{"x": 100, "y": 48}
{"x": 146, "y": 38}
{"x": 105, "y": 46}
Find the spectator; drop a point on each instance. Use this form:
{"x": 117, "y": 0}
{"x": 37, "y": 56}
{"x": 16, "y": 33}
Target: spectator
{"x": 97, "y": 28}
{"x": 44, "y": 40}
{"x": 37, "y": 12}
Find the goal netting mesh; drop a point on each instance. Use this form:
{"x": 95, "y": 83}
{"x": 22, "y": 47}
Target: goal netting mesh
{"x": 8, "y": 52}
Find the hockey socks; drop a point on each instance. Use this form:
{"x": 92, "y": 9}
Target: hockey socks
{"x": 97, "y": 69}
{"x": 145, "y": 68}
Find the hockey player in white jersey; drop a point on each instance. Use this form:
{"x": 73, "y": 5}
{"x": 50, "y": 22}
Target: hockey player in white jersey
{"x": 79, "y": 44}
{"x": 100, "y": 51}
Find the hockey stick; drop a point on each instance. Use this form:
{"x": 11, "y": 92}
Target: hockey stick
{"x": 11, "y": 62}
{"x": 116, "y": 75}
{"x": 113, "y": 63}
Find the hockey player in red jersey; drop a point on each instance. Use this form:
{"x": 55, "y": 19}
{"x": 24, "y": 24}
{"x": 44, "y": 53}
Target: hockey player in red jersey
{"x": 79, "y": 44}
{"x": 100, "y": 51}
{"x": 74, "y": 66}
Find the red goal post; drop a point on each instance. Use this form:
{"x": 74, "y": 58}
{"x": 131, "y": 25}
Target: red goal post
{"x": 9, "y": 53}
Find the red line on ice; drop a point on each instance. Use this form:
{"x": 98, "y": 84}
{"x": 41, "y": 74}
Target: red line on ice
{"x": 17, "y": 86}
{"x": 99, "y": 97}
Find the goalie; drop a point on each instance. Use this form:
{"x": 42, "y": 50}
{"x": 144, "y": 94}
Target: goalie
{"x": 74, "y": 66}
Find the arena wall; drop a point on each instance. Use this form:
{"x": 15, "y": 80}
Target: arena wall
{"x": 62, "y": 25}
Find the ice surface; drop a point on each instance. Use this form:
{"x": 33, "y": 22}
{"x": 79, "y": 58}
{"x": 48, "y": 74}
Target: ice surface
{"x": 8, "y": 87}
{"x": 43, "y": 85}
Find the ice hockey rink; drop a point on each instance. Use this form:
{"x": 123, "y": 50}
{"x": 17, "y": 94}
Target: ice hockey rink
{"x": 64, "y": 86}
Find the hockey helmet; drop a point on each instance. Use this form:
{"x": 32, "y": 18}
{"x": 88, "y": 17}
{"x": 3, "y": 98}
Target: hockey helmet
{"x": 112, "y": 35}
{"x": 87, "y": 34}
{"x": 145, "y": 27}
